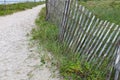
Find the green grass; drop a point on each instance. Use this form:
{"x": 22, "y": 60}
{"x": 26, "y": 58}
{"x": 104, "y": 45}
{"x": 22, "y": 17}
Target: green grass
{"x": 71, "y": 68}
{"x": 104, "y": 9}
{"x": 11, "y": 8}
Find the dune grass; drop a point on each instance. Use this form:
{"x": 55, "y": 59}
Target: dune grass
{"x": 104, "y": 9}
{"x": 11, "y": 8}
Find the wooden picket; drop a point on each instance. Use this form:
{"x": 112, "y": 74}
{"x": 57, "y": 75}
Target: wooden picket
{"x": 86, "y": 35}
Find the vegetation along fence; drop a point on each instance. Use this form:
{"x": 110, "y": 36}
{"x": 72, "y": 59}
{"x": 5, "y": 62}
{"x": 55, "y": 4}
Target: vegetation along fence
{"x": 95, "y": 40}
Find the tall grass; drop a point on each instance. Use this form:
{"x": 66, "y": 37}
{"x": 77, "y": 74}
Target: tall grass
{"x": 71, "y": 68}
{"x": 104, "y": 9}
{"x": 11, "y": 8}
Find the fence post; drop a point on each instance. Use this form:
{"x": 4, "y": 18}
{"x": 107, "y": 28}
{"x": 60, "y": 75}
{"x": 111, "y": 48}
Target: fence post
{"x": 61, "y": 35}
{"x": 117, "y": 63}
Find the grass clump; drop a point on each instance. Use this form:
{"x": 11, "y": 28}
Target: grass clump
{"x": 71, "y": 68}
{"x": 81, "y": 70}
{"x": 11, "y": 8}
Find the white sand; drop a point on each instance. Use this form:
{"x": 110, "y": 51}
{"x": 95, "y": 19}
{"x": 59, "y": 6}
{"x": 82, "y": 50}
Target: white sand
{"x": 17, "y": 60}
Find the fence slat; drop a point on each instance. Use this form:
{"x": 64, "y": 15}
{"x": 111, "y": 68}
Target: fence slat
{"x": 69, "y": 21}
{"x": 72, "y": 26}
{"x": 96, "y": 33}
{"x": 83, "y": 32}
{"x": 80, "y": 28}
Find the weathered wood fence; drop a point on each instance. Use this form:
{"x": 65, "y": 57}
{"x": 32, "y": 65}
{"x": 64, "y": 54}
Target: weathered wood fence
{"x": 86, "y": 35}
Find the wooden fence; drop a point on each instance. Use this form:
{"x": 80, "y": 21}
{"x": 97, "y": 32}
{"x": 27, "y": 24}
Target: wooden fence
{"x": 95, "y": 40}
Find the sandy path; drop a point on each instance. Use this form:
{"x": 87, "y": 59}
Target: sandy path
{"x": 17, "y": 60}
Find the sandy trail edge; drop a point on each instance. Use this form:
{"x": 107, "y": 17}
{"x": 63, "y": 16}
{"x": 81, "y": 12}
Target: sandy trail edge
{"x": 19, "y": 61}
